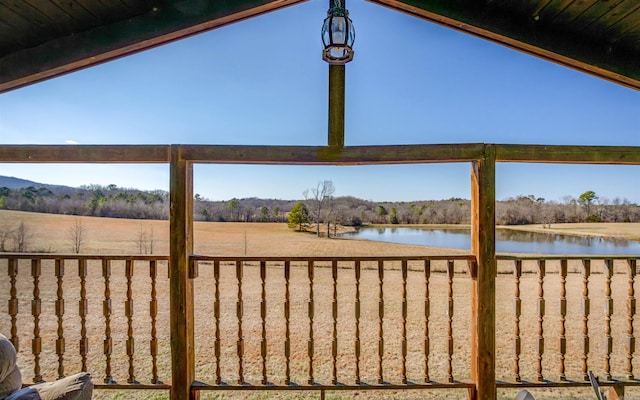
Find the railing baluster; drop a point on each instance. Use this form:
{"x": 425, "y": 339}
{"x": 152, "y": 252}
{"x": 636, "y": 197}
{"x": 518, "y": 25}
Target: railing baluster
{"x": 153, "y": 313}
{"x": 563, "y": 313}
{"x": 287, "y": 332}
{"x": 450, "y": 320}
{"x": 427, "y": 312}
{"x": 517, "y": 311}
{"x": 263, "y": 317}
{"x": 216, "y": 316}
{"x": 239, "y": 312}
{"x": 128, "y": 307}
{"x": 380, "y": 319}
{"x": 357, "y": 315}
{"x": 541, "y": 312}
{"x": 404, "y": 321}
{"x": 310, "y": 311}
{"x": 334, "y": 308}
{"x": 106, "y": 311}
{"x": 585, "y": 318}
{"x": 36, "y": 308}
{"x": 631, "y": 312}
{"x": 83, "y": 310}
{"x": 59, "y": 270}
{"x": 608, "y": 311}
{"x": 12, "y": 266}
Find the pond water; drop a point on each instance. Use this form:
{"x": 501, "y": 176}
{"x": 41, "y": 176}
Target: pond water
{"x": 507, "y": 241}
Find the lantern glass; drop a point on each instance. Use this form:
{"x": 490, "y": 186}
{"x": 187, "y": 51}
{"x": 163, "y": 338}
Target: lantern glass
{"x": 338, "y": 30}
{"x": 338, "y": 36}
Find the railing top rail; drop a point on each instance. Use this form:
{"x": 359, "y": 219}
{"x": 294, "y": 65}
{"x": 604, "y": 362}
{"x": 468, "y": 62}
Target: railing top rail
{"x": 467, "y": 257}
{"x": 54, "y": 256}
{"x": 198, "y": 257}
{"x": 568, "y": 257}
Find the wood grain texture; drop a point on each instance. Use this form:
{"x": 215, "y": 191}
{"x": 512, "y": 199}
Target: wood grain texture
{"x": 483, "y": 320}
{"x": 319, "y": 155}
{"x": 180, "y": 285}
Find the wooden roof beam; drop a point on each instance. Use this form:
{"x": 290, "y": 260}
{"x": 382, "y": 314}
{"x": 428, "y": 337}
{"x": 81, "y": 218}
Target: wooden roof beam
{"x": 587, "y": 54}
{"x": 159, "y": 25}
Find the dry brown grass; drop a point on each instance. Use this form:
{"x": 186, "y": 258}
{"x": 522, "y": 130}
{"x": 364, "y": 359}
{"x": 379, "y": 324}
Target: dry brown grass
{"x": 115, "y": 236}
{"x": 624, "y": 230}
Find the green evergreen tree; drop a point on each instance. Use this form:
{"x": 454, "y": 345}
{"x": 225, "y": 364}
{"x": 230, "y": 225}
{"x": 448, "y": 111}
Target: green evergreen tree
{"x": 393, "y": 216}
{"x": 298, "y": 216}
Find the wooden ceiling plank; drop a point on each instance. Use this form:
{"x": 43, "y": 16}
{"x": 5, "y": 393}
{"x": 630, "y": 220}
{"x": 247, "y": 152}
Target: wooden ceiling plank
{"x": 26, "y": 11}
{"x": 574, "y": 11}
{"x": 5, "y": 35}
{"x": 22, "y": 30}
{"x": 552, "y": 10}
{"x": 59, "y": 20}
{"x": 139, "y": 6}
{"x": 598, "y": 10}
{"x": 525, "y": 8}
{"x": 115, "y": 6}
{"x": 618, "y": 13}
{"x": 77, "y": 11}
{"x": 105, "y": 12}
{"x": 122, "y": 38}
{"x": 540, "y": 6}
{"x": 583, "y": 53}
{"x": 629, "y": 27}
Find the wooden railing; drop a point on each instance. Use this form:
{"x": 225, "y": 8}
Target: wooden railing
{"x": 322, "y": 323}
{"x": 565, "y": 308}
{"x": 83, "y": 314}
{"x": 332, "y": 323}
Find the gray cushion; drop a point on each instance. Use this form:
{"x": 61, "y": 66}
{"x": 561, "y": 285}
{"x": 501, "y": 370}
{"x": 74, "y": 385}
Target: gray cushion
{"x": 74, "y": 387}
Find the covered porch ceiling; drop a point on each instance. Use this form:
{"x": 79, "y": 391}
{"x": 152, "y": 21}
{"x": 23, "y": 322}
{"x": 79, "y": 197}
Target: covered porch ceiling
{"x": 42, "y": 39}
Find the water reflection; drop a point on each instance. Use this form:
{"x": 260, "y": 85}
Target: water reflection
{"x": 507, "y": 240}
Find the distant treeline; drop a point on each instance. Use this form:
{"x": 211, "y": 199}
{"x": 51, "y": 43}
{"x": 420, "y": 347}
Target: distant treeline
{"x": 113, "y": 201}
{"x": 92, "y": 200}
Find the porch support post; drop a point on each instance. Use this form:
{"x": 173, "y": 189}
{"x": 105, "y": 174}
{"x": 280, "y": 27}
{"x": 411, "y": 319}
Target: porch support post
{"x": 336, "y": 105}
{"x": 180, "y": 285}
{"x": 483, "y": 288}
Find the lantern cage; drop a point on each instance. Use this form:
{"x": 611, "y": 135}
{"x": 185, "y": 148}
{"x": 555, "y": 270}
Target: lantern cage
{"x": 338, "y": 36}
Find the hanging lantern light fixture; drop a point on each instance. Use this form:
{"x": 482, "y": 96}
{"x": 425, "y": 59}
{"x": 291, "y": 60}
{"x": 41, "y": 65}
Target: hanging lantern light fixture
{"x": 338, "y": 35}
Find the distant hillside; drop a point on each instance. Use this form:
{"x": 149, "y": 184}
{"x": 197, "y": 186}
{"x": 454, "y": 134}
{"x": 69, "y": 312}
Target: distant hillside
{"x": 17, "y": 183}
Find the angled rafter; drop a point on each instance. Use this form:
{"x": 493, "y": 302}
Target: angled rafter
{"x": 512, "y": 25}
{"x": 158, "y": 25}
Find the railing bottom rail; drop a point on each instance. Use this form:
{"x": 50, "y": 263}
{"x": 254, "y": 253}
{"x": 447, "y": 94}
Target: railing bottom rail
{"x": 131, "y": 386}
{"x": 200, "y": 386}
{"x": 564, "y": 384}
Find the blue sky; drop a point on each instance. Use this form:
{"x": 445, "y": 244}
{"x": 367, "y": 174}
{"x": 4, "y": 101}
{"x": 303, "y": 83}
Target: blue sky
{"x": 262, "y": 81}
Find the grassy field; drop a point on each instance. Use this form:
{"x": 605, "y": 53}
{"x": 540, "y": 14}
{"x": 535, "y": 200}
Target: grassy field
{"x": 624, "y": 230}
{"x": 50, "y": 233}
{"x": 120, "y": 236}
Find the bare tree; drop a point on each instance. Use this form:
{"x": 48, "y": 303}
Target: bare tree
{"x": 141, "y": 240}
{"x": 145, "y": 240}
{"x": 76, "y": 235}
{"x": 6, "y": 233}
{"x": 150, "y": 240}
{"x": 318, "y": 201}
{"x": 21, "y": 237}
